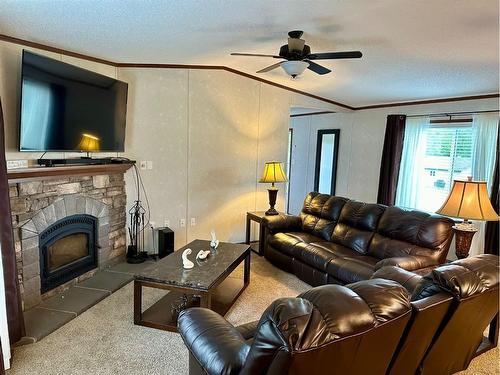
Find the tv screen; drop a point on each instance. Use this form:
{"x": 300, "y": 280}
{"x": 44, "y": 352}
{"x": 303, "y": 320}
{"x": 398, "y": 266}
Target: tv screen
{"x": 66, "y": 108}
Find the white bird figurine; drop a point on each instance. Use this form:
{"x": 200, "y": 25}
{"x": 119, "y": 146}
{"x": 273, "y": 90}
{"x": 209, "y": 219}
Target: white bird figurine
{"x": 202, "y": 254}
{"x": 215, "y": 242}
{"x": 186, "y": 263}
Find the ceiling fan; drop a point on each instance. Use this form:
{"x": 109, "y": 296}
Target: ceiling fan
{"x": 297, "y": 56}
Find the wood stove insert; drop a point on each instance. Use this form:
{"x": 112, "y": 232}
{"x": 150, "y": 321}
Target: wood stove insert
{"x": 68, "y": 249}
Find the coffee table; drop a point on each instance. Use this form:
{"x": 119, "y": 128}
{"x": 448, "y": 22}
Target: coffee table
{"x": 208, "y": 280}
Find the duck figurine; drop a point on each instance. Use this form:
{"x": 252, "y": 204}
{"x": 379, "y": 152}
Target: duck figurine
{"x": 186, "y": 263}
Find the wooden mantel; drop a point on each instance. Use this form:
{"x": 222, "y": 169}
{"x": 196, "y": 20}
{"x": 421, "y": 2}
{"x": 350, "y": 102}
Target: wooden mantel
{"x": 39, "y": 173}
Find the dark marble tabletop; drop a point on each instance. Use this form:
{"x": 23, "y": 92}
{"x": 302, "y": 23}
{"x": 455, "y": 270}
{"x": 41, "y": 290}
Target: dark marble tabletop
{"x": 205, "y": 272}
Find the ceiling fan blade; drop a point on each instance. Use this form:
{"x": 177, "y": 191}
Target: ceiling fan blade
{"x": 316, "y": 68}
{"x": 254, "y": 54}
{"x": 270, "y": 67}
{"x": 335, "y": 55}
{"x": 296, "y": 45}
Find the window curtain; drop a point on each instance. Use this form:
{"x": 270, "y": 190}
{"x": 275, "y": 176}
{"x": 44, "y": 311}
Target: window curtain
{"x": 391, "y": 159}
{"x": 407, "y": 192}
{"x": 15, "y": 318}
{"x": 484, "y": 151}
{"x": 491, "y": 245}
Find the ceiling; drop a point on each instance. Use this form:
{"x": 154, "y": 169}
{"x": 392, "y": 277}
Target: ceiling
{"x": 412, "y": 50}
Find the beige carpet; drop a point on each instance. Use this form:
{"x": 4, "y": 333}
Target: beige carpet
{"x": 104, "y": 340}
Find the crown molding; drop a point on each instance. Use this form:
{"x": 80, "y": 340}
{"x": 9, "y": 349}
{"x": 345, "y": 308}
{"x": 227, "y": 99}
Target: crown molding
{"x": 429, "y": 101}
{"x": 27, "y": 43}
{"x": 312, "y": 113}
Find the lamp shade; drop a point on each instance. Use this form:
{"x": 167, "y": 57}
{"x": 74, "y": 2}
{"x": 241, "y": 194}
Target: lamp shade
{"x": 469, "y": 200}
{"x": 89, "y": 142}
{"x": 273, "y": 172}
{"x": 294, "y": 68}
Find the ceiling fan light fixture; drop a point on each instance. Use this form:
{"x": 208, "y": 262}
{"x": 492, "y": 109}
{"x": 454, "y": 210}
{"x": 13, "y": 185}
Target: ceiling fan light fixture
{"x": 294, "y": 68}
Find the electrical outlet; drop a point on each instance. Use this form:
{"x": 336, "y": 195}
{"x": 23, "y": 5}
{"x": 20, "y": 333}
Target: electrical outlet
{"x": 144, "y": 164}
{"x": 149, "y": 164}
{"x": 166, "y": 223}
{"x": 193, "y": 221}
{"x": 182, "y": 223}
{"x": 14, "y": 164}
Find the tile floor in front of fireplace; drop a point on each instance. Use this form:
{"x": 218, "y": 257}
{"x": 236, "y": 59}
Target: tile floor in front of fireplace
{"x": 58, "y": 310}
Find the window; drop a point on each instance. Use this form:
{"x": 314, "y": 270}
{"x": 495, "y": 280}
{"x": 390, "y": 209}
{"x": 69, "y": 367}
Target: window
{"x": 434, "y": 154}
{"x": 447, "y": 157}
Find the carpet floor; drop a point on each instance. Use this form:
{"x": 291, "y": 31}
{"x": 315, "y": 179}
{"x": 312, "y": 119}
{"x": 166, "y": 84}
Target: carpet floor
{"x": 104, "y": 340}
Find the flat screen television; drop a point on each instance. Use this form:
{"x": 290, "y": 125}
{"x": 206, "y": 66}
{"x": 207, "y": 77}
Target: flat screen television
{"x": 66, "y": 108}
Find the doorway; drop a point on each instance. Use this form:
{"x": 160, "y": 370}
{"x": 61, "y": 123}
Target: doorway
{"x": 312, "y": 158}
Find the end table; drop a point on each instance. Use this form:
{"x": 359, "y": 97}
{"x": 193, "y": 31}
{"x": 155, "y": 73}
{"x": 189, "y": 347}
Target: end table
{"x": 256, "y": 216}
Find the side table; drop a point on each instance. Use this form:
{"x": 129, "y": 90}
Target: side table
{"x": 256, "y": 216}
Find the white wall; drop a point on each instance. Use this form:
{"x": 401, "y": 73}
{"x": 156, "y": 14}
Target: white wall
{"x": 208, "y": 133}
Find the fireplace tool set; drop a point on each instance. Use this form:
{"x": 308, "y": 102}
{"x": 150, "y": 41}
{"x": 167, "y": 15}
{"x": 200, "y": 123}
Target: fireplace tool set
{"x": 135, "y": 251}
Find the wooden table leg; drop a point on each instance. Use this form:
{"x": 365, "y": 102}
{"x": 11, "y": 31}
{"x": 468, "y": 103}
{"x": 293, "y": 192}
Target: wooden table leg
{"x": 137, "y": 302}
{"x": 206, "y": 300}
{"x": 246, "y": 271}
{"x": 247, "y": 234}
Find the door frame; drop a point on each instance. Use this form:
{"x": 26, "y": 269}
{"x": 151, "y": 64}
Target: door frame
{"x": 319, "y": 144}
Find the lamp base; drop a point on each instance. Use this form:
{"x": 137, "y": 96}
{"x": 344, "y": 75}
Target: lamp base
{"x": 273, "y": 193}
{"x": 271, "y": 212}
{"x": 463, "y": 240}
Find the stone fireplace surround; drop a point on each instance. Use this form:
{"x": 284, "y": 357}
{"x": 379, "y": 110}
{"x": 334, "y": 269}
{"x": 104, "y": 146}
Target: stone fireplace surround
{"x": 35, "y": 205}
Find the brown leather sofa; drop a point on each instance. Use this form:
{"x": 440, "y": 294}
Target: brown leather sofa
{"x": 350, "y": 329}
{"x": 337, "y": 240}
{"x": 396, "y": 323}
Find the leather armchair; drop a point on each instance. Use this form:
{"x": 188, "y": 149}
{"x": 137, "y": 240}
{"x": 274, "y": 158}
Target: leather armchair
{"x": 452, "y": 306}
{"x": 474, "y": 285}
{"x": 349, "y": 329}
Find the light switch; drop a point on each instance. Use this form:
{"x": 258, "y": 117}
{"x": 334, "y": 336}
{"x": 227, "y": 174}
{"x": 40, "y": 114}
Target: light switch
{"x": 150, "y": 164}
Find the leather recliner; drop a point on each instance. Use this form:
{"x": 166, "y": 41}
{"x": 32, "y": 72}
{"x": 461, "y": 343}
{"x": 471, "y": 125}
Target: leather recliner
{"x": 452, "y": 306}
{"x": 351, "y": 329}
{"x": 337, "y": 240}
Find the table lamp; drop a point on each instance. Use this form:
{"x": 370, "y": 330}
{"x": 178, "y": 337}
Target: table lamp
{"x": 89, "y": 143}
{"x": 273, "y": 172}
{"x": 467, "y": 200}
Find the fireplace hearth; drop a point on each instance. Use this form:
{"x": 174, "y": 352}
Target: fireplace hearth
{"x": 68, "y": 249}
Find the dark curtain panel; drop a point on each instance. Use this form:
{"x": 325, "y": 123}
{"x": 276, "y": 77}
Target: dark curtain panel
{"x": 391, "y": 159}
{"x": 15, "y": 317}
{"x": 492, "y": 232}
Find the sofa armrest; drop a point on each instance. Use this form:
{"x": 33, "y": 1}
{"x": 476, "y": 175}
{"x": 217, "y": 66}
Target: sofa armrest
{"x": 282, "y": 223}
{"x": 215, "y": 343}
{"x": 409, "y": 262}
{"x": 247, "y": 330}
{"x": 419, "y": 287}
{"x": 408, "y": 279}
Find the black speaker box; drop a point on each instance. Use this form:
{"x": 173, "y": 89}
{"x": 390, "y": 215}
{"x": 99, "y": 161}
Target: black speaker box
{"x": 165, "y": 242}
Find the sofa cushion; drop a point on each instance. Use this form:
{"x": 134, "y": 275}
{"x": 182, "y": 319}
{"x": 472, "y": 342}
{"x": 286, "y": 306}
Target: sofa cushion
{"x": 337, "y": 249}
{"x": 320, "y": 214}
{"x": 357, "y": 224}
{"x": 352, "y": 269}
{"x": 289, "y": 243}
{"x": 401, "y": 232}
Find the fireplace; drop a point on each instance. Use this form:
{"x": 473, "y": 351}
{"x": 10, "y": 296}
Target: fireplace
{"x": 68, "y": 249}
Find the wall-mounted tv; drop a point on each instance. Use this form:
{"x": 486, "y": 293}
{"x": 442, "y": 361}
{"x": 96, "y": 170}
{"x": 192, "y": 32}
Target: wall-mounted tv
{"x": 66, "y": 108}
